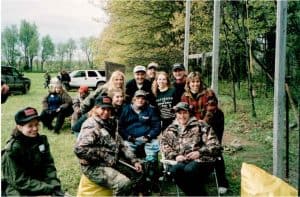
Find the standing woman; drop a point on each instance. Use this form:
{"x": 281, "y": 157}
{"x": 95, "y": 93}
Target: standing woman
{"x": 164, "y": 97}
{"x": 27, "y": 165}
{"x": 116, "y": 80}
{"x": 196, "y": 94}
{"x": 118, "y": 101}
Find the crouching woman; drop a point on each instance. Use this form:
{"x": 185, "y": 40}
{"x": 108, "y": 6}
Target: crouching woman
{"x": 100, "y": 148}
{"x": 193, "y": 147}
{"x": 27, "y": 165}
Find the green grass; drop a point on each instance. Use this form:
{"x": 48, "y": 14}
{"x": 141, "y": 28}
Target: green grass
{"x": 255, "y": 135}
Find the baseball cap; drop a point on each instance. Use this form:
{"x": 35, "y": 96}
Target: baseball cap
{"x": 139, "y": 68}
{"x": 104, "y": 102}
{"x": 83, "y": 89}
{"x": 26, "y": 115}
{"x": 179, "y": 66}
{"x": 140, "y": 93}
{"x": 152, "y": 65}
{"x": 182, "y": 106}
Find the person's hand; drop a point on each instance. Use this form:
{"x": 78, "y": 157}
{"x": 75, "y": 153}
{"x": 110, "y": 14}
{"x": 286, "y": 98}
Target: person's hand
{"x": 180, "y": 158}
{"x": 58, "y": 109}
{"x": 138, "y": 167}
{"x": 193, "y": 155}
{"x": 131, "y": 139}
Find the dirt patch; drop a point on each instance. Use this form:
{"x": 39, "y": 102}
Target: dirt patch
{"x": 230, "y": 137}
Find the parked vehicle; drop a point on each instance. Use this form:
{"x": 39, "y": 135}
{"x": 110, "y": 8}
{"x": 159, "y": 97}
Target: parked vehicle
{"x": 90, "y": 78}
{"x": 15, "y": 79}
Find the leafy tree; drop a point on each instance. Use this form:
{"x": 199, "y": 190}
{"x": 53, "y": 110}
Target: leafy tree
{"x": 29, "y": 41}
{"x": 86, "y": 45}
{"x": 48, "y": 49}
{"x": 61, "y": 53}
{"x": 70, "y": 48}
{"x": 9, "y": 44}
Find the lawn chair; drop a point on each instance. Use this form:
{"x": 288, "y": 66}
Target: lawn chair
{"x": 167, "y": 175}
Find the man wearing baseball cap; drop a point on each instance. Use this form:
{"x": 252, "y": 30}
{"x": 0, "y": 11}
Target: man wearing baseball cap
{"x": 151, "y": 71}
{"x": 139, "y": 125}
{"x": 100, "y": 149}
{"x": 27, "y": 165}
{"x": 139, "y": 83}
{"x": 179, "y": 75}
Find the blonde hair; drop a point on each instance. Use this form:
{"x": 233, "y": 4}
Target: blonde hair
{"x": 110, "y": 84}
{"x": 155, "y": 85}
{"x": 112, "y": 92}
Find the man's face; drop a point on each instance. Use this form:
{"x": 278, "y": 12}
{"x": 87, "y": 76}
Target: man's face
{"x": 139, "y": 77}
{"x": 103, "y": 113}
{"x": 178, "y": 74}
{"x": 151, "y": 72}
{"x": 182, "y": 116}
{"x": 139, "y": 101}
{"x": 211, "y": 108}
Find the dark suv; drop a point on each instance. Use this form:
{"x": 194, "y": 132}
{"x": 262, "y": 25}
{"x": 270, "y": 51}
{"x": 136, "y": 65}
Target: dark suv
{"x": 14, "y": 79}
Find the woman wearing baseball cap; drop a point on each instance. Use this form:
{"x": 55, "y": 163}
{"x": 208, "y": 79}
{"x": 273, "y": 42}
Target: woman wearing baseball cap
{"x": 27, "y": 165}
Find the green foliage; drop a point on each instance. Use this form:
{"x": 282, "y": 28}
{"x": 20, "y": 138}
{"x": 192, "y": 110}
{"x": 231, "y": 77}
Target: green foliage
{"x": 9, "y": 43}
{"x": 29, "y": 41}
{"x": 48, "y": 49}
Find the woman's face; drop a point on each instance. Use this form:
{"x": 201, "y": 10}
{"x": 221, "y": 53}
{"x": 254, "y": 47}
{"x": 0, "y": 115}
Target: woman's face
{"x": 58, "y": 89}
{"x": 162, "y": 81}
{"x": 195, "y": 85}
{"x": 30, "y": 129}
{"x": 118, "y": 99}
{"x": 118, "y": 81}
{"x": 182, "y": 116}
{"x": 103, "y": 113}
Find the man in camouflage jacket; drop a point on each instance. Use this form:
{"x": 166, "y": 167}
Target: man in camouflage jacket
{"x": 99, "y": 148}
{"x": 193, "y": 146}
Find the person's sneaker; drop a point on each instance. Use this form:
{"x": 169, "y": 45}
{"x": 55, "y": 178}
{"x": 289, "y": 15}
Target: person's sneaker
{"x": 222, "y": 190}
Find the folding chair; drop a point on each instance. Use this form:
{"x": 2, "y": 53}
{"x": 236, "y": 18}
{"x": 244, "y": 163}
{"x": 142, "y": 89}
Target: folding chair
{"x": 167, "y": 174}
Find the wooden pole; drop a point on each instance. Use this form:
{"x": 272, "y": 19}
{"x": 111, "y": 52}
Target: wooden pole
{"x": 216, "y": 43}
{"x": 278, "y": 120}
{"x": 187, "y": 34}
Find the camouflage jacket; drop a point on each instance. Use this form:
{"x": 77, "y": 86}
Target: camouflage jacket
{"x": 99, "y": 144}
{"x": 194, "y": 137}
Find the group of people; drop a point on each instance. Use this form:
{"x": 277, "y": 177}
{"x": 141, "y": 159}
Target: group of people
{"x": 128, "y": 124}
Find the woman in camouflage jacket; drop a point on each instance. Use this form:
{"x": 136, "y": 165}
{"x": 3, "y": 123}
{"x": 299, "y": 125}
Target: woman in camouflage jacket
{"x": 193, "y": 147}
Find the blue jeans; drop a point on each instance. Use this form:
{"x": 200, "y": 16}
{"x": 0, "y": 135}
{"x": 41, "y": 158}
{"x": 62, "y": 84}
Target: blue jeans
{"x": 151, "y": 148}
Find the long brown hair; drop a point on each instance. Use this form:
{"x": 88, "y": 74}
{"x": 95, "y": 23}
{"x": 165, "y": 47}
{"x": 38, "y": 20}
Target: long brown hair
{"x": 155, "y": 85}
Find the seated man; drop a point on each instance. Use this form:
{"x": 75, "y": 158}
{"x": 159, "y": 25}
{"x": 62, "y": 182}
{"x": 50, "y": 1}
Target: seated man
{"x": 139, "y": 125}
{"x": 193, "y": 147}
{"x": 101, "y": 152}
{"x": 83, "y": 92}
{"x": 57, "y": 104}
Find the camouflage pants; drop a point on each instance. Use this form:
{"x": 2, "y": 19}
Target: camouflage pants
{"x": 121, "y": 179}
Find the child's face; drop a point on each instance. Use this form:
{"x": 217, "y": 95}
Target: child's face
{"x": 30, "y": 129}
{"x": 118, "y": 98}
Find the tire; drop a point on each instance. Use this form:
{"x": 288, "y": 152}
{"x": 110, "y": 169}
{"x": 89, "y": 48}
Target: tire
{"x": 26, "y": 88}
{"x": 99, "y": 84}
